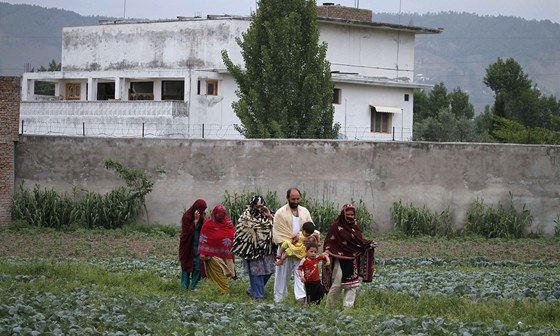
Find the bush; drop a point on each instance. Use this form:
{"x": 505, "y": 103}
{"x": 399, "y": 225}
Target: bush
{"x": 497, "y": 222}
{"x": 557, "y": 226}
{"x": 47, "y": 208}
{"x": 109, "y": 211}
{"x": 43, "y": 208}
{"x": 323, "y": 212}
{"x": 414, "y": 221}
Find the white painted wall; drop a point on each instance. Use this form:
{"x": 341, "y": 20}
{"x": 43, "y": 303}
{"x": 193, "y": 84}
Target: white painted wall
{"x": 154, "y": 45}
{"x": 369, "y": 52}
{"x": 191, "y": 51}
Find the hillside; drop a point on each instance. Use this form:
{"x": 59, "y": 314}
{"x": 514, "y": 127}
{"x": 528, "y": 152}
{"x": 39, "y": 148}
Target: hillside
{"x": 470, "y": 43}
{"x": 30, "y": 36}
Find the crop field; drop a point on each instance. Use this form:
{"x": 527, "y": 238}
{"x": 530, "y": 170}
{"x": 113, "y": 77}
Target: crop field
{"x": 127, "y": 283}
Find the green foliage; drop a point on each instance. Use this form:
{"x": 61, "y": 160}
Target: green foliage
{"x": 285, "y": 90}
{"x": 43, "y": 207}
{"x": 443, "y": 117}
{"x": 421, "y": 221}
{"x": 111, "y": 210}
{"x": 323, "y": 212}
{"x": 557, "y": 226}
{"x": 506, "y": 77}
{"x": 497, "y": 222}
{"x": 139, "y": 183}
{"x": 47, "y": 208}
{"x": 511, "y": 131}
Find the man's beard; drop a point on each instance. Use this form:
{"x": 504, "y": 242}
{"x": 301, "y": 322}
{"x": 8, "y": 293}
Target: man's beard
{"x": 293, "y": 205}
{"x": 350, "y": 220}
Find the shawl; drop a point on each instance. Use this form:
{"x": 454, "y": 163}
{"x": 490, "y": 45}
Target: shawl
{"x": 253, "y": 233}
{"x": 216, "y": 237}
{"x": 344, "y": 240}
{"x": 188, "y": 228}
{"x": 283, "y": 226}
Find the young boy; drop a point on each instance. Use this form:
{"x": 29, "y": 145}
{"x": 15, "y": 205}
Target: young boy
{"x": 296, "y": 246}
{"x": 308, "y": 271}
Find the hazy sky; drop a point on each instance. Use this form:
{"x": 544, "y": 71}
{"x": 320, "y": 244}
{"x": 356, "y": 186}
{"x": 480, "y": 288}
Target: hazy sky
{"x": 164, "y": 9}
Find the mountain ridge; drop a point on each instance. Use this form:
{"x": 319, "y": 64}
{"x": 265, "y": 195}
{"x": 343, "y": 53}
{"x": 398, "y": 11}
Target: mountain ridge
{"x": 30, "y": 36}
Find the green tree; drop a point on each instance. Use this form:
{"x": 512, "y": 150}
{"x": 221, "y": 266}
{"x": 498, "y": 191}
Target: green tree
{"x": 285, "y": 89}
{"x": 460, "y": 105}
{"x": 443, "y": 116}
{"x": 506, "y": 77}
{"x": 421, "y": 105}
{"x": 438, "y": 99}
{"x": 508, "y": 81}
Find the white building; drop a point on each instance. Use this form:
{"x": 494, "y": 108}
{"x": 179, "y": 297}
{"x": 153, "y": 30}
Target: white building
{"x": 166, "y": 78}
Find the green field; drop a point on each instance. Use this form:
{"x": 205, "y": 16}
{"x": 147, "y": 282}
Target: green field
{"x": 126, "y": 282}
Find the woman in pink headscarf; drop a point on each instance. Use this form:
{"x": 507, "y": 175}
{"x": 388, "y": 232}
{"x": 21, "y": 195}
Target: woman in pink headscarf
{"x": 191, "y": 223}
{"x": 216, "y": 239}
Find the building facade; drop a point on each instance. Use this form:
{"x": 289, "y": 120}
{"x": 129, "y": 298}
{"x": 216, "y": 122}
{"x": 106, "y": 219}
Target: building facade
{"x": 166, "y": 78}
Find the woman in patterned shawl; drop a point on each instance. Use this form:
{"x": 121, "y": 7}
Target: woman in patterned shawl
{"x": 253, "y": 243}
{"x": 345, "y": 245}
{"x": 191, "y": 270}
{"x": 216, "y": 238}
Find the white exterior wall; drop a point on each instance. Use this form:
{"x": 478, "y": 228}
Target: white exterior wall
{"x": 190, "y": 51}
{"x": 155, "y": 45}
{"x": 369, "y": 52}
{"x": 354, "y": 113}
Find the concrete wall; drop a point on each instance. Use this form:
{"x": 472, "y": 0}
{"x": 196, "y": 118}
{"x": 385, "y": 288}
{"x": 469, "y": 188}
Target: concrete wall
{"x": 433, "y": 174}
{"x": 9, "y": 120}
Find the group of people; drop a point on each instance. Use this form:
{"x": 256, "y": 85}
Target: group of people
{"x": 285, "y": 243}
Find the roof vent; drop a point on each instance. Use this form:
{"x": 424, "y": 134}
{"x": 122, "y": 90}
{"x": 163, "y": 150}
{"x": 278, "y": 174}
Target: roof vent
{"x": 328, "y": 3}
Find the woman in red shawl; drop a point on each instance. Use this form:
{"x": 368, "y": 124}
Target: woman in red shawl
{"x": 216, "y": 239}
{"x": 188, "y": 244}
{"x": 345, "y": 245}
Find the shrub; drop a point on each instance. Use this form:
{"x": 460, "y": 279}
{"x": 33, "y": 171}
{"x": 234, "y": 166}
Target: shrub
{"x": 414, "y": 221}
{"x": 557, "y": 226}
{"x": 323, "y": 212}
{"x": 499, "y": 222}
{"x": 47, "y": 208}
{"x": 43, "y": 207}
{"x": 109, "y": 211}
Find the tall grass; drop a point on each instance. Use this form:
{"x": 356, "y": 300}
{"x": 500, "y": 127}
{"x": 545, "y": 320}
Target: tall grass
{"x": 413, "y": 221}
{"x": 499, "y": 221}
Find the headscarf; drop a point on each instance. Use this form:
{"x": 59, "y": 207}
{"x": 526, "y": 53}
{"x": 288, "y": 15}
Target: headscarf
{"x": 216, "y": 237}
{"x": 345, "y": 242}
{"x": 188, "y": 228}
{"x": 253, "y": 206}
{"x": 253, "y": 233}
{"x": 344, "y": 239}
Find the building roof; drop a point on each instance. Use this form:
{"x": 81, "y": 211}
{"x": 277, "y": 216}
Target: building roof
{"x": 321, "y": 19}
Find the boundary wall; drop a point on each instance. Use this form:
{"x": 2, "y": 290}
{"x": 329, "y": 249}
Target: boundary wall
{"x": 437, "y": 175}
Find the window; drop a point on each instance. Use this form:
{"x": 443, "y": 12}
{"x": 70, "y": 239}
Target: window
{"x": 380, "y": 122}
{"x": 72, "y": 91}
{"x": 106, "y": 91}
{"x": 173, "y": 90}
{"x": 406, "y": 97}
{"x": 141, "y": 91}
{"x": 336, "y": 96}
{"x": 212, "y": 87}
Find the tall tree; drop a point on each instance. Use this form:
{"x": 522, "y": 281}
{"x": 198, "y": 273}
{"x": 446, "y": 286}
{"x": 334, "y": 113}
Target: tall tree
{"x": 285, "y": 89}
{"x": 508, "y": 81}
